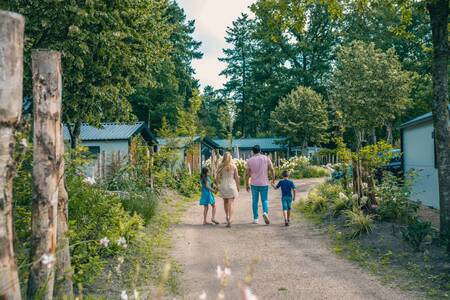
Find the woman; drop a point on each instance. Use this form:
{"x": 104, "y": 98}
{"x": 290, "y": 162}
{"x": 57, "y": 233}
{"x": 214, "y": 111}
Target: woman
{"x": 228, "y": 179}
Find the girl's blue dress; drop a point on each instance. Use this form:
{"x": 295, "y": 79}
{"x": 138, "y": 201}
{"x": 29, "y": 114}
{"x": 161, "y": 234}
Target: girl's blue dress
{"x": 207, "y": 197}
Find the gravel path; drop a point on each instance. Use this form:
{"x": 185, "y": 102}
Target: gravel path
{"x": 295, "y": 262}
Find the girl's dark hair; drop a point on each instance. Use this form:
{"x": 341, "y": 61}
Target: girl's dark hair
{"x": 203, "y": 174}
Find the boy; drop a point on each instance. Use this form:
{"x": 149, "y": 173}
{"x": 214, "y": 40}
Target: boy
{"x": 287, "y": 195}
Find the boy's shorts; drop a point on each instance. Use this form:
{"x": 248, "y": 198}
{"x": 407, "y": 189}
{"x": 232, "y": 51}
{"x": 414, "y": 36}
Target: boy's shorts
{"x": 286, "y": 201}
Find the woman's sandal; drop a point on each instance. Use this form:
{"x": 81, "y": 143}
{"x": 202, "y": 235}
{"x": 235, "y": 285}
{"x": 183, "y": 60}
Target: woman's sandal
{"x": 215, "y": 222}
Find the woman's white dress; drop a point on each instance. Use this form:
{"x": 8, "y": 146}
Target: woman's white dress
{"x": 228, "y": 188}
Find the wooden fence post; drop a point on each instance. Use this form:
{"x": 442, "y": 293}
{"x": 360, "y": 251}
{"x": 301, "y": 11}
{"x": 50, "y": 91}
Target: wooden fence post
{"x": 11, "y": 74}
{"x": 47, "y": 85}
{"x": 63, "y": 280}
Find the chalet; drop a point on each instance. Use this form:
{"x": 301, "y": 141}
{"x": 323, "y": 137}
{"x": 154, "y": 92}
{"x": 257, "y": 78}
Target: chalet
{"x": 110, "y": 143}
{"x": 275, "y": 147}
{"x": 418, "y": 148}
{"x": 191, "y": 152}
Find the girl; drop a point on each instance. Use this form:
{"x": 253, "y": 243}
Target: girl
{"x": 228, "y": 178}
{"x": 207, "y": 197}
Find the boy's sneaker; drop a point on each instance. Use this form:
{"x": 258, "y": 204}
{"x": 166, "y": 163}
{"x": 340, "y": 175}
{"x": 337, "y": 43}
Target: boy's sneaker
{"x": 255, "y": 221}
{"x": 286, "y": 223}
{"x": 266, "y": 218}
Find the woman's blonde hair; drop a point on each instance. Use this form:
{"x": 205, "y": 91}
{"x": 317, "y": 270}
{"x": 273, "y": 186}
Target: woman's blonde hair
{"x": 227, "y": 162}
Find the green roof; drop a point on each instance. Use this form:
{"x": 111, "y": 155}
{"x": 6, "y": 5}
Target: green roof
{"x": 266, "y": 144}
{"x": 420, "y": 119}
{"x": 111, "y": 131}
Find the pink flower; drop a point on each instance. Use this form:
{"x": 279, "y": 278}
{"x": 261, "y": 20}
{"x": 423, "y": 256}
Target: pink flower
{"x": 104, "y": 242}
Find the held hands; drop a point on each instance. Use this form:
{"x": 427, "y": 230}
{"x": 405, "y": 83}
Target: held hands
{"x": 247, "y": 188}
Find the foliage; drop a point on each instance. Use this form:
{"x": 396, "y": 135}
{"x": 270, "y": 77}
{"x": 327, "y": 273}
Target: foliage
{"x": 358, "y": 221}
{"x": 369, "y": 88}
{"x": 175, "y": 84}
{"x": 415, "y": 232}
{"x": 314, "y": 203}
{"x": 301, "y": 117}
{"x": 109, "y": 48}
{"x": 239, "y": 68}
{"x": 393, "y": 197}
{"x": 96, "y": 214}
{"x": 300, "y": 167}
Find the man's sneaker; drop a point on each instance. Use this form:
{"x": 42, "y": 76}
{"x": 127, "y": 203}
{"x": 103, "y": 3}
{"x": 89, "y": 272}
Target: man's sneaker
{"x": 255, "y": 221}
{"x": 266, "y": 218}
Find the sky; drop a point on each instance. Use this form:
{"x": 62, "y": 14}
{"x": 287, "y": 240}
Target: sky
{"x": 211, "y": 20}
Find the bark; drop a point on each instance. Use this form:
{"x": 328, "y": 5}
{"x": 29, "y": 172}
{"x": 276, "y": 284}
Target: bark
{"x": 439, "y": 17}
{"x": 46, "y": 68}
{"x": 11, "y": 74}
{"x": 389, "y": 136}
{"x": 74, "y": 131}
{"x": 63, "y": 280}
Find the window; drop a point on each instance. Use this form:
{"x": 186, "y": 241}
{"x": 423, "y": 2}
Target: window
{"x": 94, "y": 150}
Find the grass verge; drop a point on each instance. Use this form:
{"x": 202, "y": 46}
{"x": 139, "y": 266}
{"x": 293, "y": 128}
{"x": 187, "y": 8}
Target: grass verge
{"x": 140, "y": 269}
{"x": 388, "y": 257}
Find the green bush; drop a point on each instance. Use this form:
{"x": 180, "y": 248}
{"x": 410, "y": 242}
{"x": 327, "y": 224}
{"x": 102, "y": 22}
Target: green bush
{"x": 415, "y": 232}
{"x": 315, "y": 203}
{"x": 143, "y": 203}
{"x": 95, "y": 214}
{"x": 394, "y": 200}
{"x": 359, "y": 222}
{"x": 187, "y": 184}
{"x": 341, "y": 203}
{"x": 300, "y": 167}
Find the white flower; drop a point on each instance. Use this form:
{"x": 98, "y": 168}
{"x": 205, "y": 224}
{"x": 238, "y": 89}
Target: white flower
{"x": 124, "y": 295}
{"x": 122, "y": 242}
{"x": 120, "y": 259}
{"x": 227, "y": 271}
{"x": 89, "y": 180}
{"x": 47, "y": 259}
{"x": 343, "y": 196}
{"x": 219, "y": 272}
{"x": 136, "y": 294}
{"x": 104, "y": 242}
{"x": 202, "y": 296}
{"x": 248, "y": 294}
{"x": 24, "y": 143}
{"x": 221, "y": 295}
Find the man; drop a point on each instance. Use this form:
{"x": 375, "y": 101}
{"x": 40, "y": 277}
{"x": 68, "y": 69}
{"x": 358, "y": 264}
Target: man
{"x": 258, "y": 168}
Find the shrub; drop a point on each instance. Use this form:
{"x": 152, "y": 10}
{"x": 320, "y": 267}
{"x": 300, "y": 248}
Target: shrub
{"x": 341, "y": 203}
{"x": 143, "y": 203}
{"x": 95, "y": 214}
{"x": 393, "y": 200}
{"x": 300, "y": 167}
{"x": 415, "y": 232}
{"x": 187, "y": 184}
{"x": 315, "y": 202}
{"x": 359, "y": 222}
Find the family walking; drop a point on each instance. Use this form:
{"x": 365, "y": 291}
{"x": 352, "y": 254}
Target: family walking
{"x": 259, "y": 167}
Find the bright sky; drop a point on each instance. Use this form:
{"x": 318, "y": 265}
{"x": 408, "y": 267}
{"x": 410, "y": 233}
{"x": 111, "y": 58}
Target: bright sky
{"x": 211, "y": 20}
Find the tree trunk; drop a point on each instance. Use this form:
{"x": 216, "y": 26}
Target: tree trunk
{"x": 389, "y": 136}
{"x": 439, "y": 17}
{"x": 63, "y": 280}
{"x": 11, "y": 74}
{"x": 74, "y": 131}
{"x": 46, "y": 68}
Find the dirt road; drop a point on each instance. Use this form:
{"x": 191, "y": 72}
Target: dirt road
{"x": 295, "y": 262}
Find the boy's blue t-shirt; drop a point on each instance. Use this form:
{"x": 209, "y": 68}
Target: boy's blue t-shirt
{"x": 286, "y": 186}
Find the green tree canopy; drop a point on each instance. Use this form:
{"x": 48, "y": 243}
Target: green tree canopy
{"x": 369, "y": 88}
{"x": 301, "y": 117}
{"x": 108, "y": 47}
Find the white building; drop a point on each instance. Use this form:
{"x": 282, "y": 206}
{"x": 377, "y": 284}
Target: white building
{"x": 417, "y": 142}
{"x": 109, "y": 143}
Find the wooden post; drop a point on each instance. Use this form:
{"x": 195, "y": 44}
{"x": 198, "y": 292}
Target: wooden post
{"x": 63, "y": 284}
{"x": 103, "y": 163}
{"x": 11, "y": 74}
{"x": 47, "y": 85}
